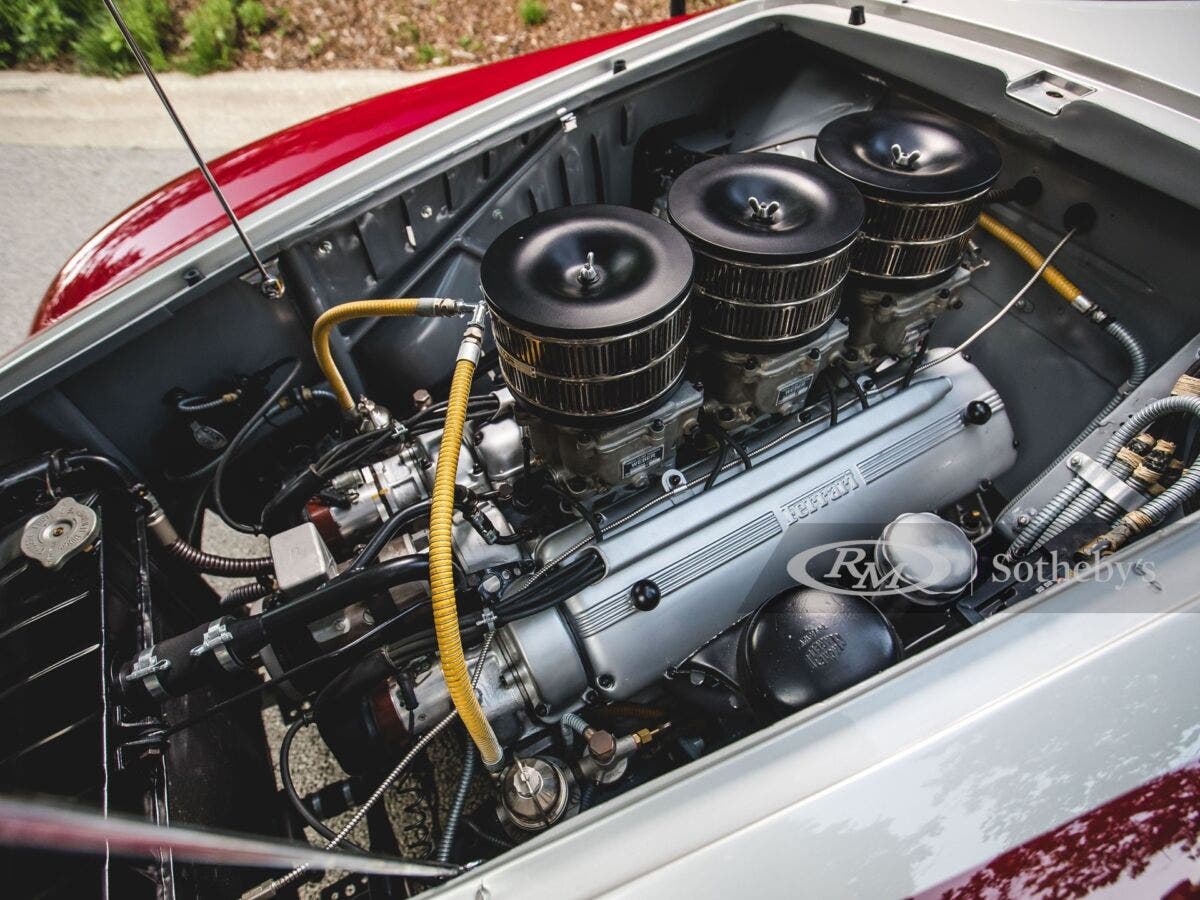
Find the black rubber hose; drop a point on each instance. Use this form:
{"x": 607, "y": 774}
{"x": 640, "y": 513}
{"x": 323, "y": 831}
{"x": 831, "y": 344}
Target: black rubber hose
{"x": 248, "y": 636}
{"x": 282, "y": 510}
{"x": 545, "y": 594}
{"x": 386, "y": 532}
{"x": 50, "y": 467}
{"x": 918, "y": 358}
{"x": 566, "y": 581}
{"x": 238, "y": 439}
{"x": 740, "y": 451}
{"x": 720, "y": 464}
{"x": 854, "y": 385}
{"x": 289, "y": 788}
{"x": 344, "y": 590}
{"x": 243, "y": 594}
{"x": 369, "y": 640}
{"x": 831, "y": 396}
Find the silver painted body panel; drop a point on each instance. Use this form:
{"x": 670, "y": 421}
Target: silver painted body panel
{"x": 918, "y": 774}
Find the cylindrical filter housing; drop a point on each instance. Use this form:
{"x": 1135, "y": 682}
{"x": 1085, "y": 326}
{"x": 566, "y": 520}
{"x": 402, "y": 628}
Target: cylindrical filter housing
{"x": 924, "y": 178}
{"x": 773, "y": 236}
{"x": 590, "y": 312}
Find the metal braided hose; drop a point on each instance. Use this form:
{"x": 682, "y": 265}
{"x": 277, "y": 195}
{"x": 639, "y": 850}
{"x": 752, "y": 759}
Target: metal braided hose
{"x": 1055, "y": 512}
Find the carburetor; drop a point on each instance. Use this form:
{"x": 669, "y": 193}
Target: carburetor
{"x": 591, "y": 307}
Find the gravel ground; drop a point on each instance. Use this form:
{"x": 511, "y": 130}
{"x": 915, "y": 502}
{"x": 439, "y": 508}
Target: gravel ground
{"x": 313, "y": 765}
{"x": 420, "y": 34}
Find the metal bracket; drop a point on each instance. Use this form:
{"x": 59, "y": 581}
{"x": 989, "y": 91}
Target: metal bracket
{"x": 567, "y": 119}
{"x": 973, "y": 258}
{"x": 487, "y": 618}
{"x": 1047, "y": 91}
{"x": 1105, "y": 481}
{"x": 216, "y": 636}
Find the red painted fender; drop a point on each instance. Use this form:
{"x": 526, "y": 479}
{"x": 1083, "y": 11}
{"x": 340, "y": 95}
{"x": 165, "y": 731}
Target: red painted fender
{"x": 183, "y": 213}
{"x": 1145, "y": 843}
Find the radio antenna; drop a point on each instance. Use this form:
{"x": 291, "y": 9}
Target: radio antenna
{"x": 271, "y": 285}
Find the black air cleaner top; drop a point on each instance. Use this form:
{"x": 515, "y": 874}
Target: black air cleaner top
{"x": 909, "y": 155}
{"x": 765, "y": 208}
{"x": 586, "y": 270}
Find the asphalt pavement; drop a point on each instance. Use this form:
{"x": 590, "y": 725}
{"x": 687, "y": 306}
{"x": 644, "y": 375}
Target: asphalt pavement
{"x": 75, "y": 151}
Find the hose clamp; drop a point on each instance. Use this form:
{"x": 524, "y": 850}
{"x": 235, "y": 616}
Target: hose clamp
{"x": 1108, "y": 484}
{"x": 146, "y": 669}
{"x": 216, "y": 636}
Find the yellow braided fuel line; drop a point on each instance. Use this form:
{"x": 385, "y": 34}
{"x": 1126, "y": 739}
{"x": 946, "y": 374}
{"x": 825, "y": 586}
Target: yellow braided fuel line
{"x": 360, "y": 309}
{"x": 441, "y": 552}
{"x": 1029, "y": 253}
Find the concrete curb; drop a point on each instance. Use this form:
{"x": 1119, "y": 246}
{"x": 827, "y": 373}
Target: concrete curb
{"x": 222, "y": 111}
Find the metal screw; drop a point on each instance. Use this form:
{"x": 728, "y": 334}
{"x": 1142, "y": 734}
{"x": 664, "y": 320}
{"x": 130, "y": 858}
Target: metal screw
{"x": 324, "y": 248}
{"x": 426, "y": 212}
{"x": 497, "y": 214}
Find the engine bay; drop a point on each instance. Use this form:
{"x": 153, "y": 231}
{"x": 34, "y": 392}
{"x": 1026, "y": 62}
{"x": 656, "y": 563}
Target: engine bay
{"x": 714, "y": 398}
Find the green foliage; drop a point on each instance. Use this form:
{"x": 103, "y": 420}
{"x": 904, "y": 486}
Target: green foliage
{"x": 532, "y": 12}
{"x": 37, "y": 30}
{"x": 253, "y": 16}
{"x": 101, "y": 50}
{"x": 212, "y": 28}
{"x": 426, "y": 53}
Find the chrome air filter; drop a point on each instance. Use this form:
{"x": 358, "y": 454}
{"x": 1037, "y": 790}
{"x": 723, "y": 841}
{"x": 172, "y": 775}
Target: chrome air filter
{"x": 590, "y": 311}
{"x": 773, "y": 236}
{"x": 924, "y": 178}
